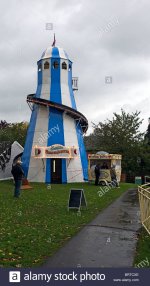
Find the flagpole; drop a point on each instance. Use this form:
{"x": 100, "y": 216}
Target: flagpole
{"x": 53, "y": 44}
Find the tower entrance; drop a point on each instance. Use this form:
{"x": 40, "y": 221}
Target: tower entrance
{"x": 56, "y": 171}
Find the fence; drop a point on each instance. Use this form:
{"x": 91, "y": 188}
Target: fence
{"x": 144, "y": 199}
{"x": 146, "y": 179}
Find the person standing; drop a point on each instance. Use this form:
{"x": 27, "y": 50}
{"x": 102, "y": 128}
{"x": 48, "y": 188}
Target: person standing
{"x": 18, "y": 174}
{"x": 114, "y": 176}
{"x": 97, "y": 174}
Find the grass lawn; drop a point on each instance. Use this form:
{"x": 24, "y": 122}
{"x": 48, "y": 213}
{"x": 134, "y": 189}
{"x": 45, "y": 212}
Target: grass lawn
{"x": 34, "y": 226}
{"x": 143, "y": 248}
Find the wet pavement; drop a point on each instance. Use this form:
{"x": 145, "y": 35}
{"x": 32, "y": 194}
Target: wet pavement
{"x": 108, "y": 241}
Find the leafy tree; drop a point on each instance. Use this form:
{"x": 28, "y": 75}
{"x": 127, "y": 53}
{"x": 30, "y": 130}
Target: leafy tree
{"x": 145, "y": 152}
{"x": 120, "y": 135}
{"x": 10, "y": 132}
{"x": 147, "y": 134}
{"x": 4, "y": 124}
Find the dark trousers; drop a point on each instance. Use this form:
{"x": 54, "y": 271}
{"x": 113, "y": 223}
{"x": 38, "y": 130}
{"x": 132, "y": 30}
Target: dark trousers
{"x": 97, "y": 179}
{"x": 17, "y": 188}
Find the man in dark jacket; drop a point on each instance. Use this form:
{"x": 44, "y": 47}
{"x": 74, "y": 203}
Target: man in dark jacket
{"x": 97, "y": 174}
{"x": 18, "y": 174}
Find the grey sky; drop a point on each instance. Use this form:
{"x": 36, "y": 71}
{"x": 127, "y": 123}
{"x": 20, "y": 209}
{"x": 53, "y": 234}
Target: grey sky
{"x": 102, "y": 37}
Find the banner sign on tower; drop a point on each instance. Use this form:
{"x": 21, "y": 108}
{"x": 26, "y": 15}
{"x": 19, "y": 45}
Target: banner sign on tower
{"x": 55, "y": 151}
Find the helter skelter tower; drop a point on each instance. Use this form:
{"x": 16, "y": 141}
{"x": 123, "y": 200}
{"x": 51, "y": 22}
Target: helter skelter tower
{"x": 54, "y": 149}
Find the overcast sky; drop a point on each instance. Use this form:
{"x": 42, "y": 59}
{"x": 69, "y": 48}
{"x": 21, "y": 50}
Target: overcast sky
{"x": 105, "y": 39}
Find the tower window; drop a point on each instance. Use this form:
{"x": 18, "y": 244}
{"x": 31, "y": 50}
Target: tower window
{"x": 55, "y": 65}
{"x": 39, "y": 67}
{"x": 69, "y": 67}
{"x": 46, "y": 66}
{"x": 64, "y": 66}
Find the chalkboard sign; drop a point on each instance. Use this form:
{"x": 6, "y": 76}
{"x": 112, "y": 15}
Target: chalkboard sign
{"x": 76, "y": 199}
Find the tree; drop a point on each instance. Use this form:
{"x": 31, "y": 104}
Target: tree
{"x": 145, "y": 152}
{"x": 120, "y": 135}
{"x": 10, "y": 132}
{"x": 147, "y": 134}
{"x": 4, "y": 124}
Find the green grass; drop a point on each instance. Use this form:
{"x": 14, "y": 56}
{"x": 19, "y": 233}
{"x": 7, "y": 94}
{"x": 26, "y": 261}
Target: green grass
{"x": 143, "y": 248}
{"x": 34, "y": 226}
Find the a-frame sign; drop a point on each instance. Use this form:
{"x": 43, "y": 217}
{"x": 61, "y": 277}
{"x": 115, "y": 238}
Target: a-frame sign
{"x": 77, "y": 199}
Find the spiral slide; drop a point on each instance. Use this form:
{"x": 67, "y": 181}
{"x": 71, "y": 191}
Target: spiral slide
{"x": 78, "y": 116}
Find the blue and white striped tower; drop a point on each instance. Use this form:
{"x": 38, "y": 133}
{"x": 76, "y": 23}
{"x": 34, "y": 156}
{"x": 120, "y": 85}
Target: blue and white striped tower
{"x": 55, "y": 123}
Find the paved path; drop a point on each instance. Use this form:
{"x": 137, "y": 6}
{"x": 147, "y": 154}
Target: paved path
{"x": 108, "y": 241}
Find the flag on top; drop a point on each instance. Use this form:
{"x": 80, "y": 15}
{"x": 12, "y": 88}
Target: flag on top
{"x": 53, "y": 44}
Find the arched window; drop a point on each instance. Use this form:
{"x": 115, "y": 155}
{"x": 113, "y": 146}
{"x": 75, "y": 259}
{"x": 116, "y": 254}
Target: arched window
{"x": 55, "y": 65}
{"x": 69, "y": 67}
{"x": 46, "y": 65}
{"x": 64, "y": 66}
{"x": 39, "y": 67}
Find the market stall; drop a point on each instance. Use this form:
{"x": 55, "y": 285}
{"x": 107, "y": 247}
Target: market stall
{"x": 106, "y": 161}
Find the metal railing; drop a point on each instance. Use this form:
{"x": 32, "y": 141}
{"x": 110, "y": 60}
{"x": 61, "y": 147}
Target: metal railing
{"x": 144, "y": 199}
{"x": 146, "y": 179}
{"x": 75, "y": 83}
